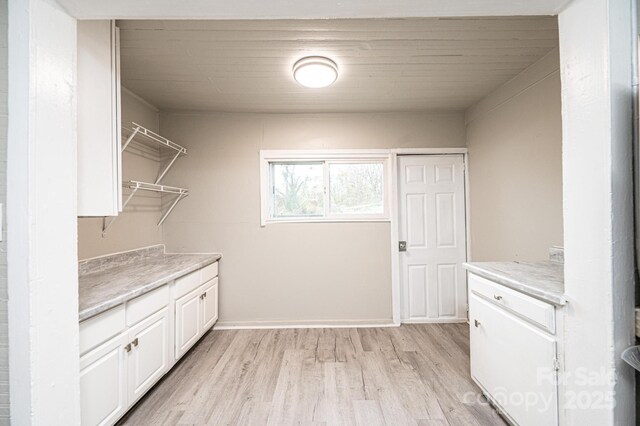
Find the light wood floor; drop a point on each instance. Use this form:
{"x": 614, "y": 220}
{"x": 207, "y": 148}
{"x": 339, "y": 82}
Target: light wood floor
{"x": 411, "y": 375}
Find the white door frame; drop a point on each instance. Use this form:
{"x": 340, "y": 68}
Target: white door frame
{"x": 395, "y": 221}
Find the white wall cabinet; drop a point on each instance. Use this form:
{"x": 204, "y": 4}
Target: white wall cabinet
{"x": 98, "y": 115}
{"x": 514, "y": 352}
{"x": 127, "y": 349}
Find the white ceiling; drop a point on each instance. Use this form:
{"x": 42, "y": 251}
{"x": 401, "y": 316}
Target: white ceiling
{"x": 385, "y": 64}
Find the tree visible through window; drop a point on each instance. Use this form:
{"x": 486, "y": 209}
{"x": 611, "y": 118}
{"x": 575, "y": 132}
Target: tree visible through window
{"x": 356, "y": 188}
{"x": 327, "y": 189}
{"x": 298, "y": 189}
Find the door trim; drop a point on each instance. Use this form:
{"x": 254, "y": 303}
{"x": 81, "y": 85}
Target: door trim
{"x": 394, "y": 214}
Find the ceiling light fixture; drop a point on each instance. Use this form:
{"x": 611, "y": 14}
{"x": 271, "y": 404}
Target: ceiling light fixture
{"x": 315, "y": 71}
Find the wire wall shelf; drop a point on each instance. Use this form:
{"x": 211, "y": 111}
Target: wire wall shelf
{"x": 144, "y": 135}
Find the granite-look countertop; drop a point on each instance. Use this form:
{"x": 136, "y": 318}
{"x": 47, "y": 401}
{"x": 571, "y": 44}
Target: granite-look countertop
{"x": 543, "y": 280}
{"x": 112, "y": 280}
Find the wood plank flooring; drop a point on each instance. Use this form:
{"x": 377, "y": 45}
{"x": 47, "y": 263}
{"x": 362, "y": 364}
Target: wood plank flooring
{"x": 411, "y": 375}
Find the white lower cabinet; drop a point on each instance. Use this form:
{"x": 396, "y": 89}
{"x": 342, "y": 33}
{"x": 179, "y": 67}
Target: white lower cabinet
{"x": 149, "y": 353}
{"x": 187, "y": 321}
{"x": 103, "y": 382}
{"x": 127, "y": 349}
{"x": 196, "y": 313}
{"x": 210, "y": 304}
{"x": 513, "y": 359}
{"x": 116, "y": 374}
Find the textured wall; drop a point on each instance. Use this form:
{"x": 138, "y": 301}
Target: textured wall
{"x": 287, "y": 273}
{"x": 514, "y": 136}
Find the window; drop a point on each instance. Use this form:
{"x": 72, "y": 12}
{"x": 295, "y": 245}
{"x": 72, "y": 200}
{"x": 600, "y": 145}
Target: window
{"x": 297, "y": 190}
{"x": 324, "y": 186}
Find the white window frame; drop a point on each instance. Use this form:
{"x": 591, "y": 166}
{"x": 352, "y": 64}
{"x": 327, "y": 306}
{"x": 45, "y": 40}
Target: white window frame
{"x": 327, "y": 157}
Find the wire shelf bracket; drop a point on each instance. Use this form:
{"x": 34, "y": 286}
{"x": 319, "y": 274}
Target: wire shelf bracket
{"x": 149, "y": 136}
{"x": 135, "y": 186}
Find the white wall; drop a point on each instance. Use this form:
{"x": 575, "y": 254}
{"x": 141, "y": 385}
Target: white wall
{"x": 41, "y": 215}
{"x": 287, "y": 273}
{"x": 595, "y": 68}
{"x": 136, "y": 226}
{"x": 514, "y": 136}
{"x": 4, "y": 343}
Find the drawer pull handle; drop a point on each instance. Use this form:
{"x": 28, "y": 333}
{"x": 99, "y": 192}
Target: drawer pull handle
{"x": 477, "y": 323}
{"x": 498, "y": 298}
{"x": 128, "y": 347}
{"x": 135, "y": 342}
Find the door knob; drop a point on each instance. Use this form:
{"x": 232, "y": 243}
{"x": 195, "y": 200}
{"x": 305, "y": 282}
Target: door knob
{"x": 402, "y": 246}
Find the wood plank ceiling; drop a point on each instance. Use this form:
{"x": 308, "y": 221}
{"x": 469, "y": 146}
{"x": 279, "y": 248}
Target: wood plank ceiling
{"x": 385, "y": 64}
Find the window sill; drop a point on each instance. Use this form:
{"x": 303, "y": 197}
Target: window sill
{"x": 325, "y": 220}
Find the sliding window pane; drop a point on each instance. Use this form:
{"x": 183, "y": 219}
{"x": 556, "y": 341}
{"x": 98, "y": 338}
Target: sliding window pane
{"x": 298, "y": 189}
{"x": 356, "y": 188}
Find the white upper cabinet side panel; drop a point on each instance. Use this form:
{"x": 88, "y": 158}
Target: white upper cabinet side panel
{"x": 99, "y": 181}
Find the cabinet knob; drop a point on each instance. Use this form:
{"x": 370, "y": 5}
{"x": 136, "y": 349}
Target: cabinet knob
{"x": 205, "y": 295}
{"x": 497, "y": 297}
{"x": 477, "y": 323}
{"x": 128, "y": 347}
{"x": 135, "y": 342}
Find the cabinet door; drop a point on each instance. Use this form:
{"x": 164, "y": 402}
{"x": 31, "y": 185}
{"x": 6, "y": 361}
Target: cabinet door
{"x": 514, "y": 362}
{"x": 188, "y": 322}
{"x": 149, "y": 355}
{"x": 209, "y": 304}
{"x": 103, "y": 393}
{"x": 98, "y": 117}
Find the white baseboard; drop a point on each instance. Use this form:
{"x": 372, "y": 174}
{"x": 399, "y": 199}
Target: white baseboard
{"x": 435, "y": 321}
{"x": 251, "y": 325}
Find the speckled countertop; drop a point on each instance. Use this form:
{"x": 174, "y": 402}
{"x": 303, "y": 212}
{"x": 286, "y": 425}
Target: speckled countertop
{"x": 109, "y": 281}
{"x": 543, "y": 280}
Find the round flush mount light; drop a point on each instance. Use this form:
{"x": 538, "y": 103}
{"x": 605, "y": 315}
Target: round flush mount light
{"x": 315, "y": 71}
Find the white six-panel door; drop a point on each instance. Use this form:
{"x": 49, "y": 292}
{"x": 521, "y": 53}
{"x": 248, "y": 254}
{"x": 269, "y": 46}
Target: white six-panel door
{"x": 432, "y": 222}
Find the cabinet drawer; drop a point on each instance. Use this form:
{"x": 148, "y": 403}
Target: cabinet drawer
{"x": 143, "y": 306}
{"x": 209, "y": 272}
{"x": 537, "y": 312}
{"x": 101, "y": 328}
{"x": 187, "y": 283}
